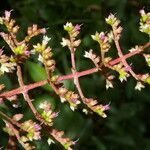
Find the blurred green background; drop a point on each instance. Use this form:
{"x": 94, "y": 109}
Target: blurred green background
{"x": 127, "y": 126}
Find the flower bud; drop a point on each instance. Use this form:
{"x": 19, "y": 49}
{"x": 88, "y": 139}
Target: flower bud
{"x": 15, "y": 29}
{"x": 49, "y": 63}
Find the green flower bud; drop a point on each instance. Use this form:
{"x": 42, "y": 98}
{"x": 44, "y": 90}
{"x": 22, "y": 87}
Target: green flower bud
{"x": 20, "y": 49}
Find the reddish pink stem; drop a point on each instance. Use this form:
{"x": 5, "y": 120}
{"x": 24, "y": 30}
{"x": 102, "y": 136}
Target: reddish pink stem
{"x": 77, "y": 74}
{"x": 113, "y": 62}
{"x": 26, "y": 88}
{"x": 23, "y": 89}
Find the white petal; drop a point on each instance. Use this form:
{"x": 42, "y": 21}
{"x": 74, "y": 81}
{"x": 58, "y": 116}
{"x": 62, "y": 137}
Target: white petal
{"x": 46, "y": 39}
{"x": 4, "y": 68}
{"x": 62, "y": 99}
{"x": 40, "y": 58}
{"x": 139, "y": 86}
{"x": 72, "y": 108}
{"x": 50, "y": 141}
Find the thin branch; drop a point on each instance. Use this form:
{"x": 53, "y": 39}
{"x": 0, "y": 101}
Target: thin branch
{"x": 9, "y": 119}
{"x": 29, "y": 87}
{"x": 25, "y": 94}
{"x": 16, "y": 133}
{"x": 22, "y": 89}
{"x": 77, "y": 74}
{"x": 123, "y": 60}
{"x": 76, "y": 79}
{"x": 141, "y": 49}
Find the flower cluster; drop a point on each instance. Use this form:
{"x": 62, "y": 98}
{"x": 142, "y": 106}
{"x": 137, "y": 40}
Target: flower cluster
{"x": 20, "y": 48}
{"x": 32, "y": 129}
{"x": 73, "y": 32}
{"x": 8, "y": 129}
{"x": 34, "y": 31}
{"x": 103, "y": 40}
{"x": 109, "y": 83}
{"x": 5, "y": 64}
{"x": 9, "y": 23}
{"x": 93, "y": 57}
{"x": 69, "y": 96}
{"x": 47, "y": 113}
{"x": 145, "y": 22}
{"x": 99, "y": 109}
{"x": 45, "y": 54}
{"x": 114, "y": 23}
{"x": 27, "y": 131}
{"x": 66, "y": 142}
{"x": 123, "y": 72}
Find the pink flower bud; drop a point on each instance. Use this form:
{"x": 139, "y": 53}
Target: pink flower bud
{"x": 77, "y": 27}
{"x": 37, "y": 127}
{"x": 43, "y": 31}
{"x": 7, "y": 14}
{"x": 1, "y": 100}
{"x": 106, "y": 107}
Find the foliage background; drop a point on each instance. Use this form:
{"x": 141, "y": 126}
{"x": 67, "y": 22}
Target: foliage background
{"x": 128, "y": 125}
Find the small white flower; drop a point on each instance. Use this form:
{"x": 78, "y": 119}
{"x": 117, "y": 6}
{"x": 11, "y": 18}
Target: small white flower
{"x": 123, "y": 78}
{"x": 85, "y": 111}
{"x": 144, "y": 27}
{"x": 139, "y": 86}
{"x": 111, "y": 16}
{"x": 78, "y": 102}
{"x": 35, "y": 46}
{"x": 142, "y": 12}
{"x": 50, "y": 141}
{"x": 7, "y": 14}
{"x": 92, "y": 56}
{"x": 68, "y": 24}
{"x": 62, "y": 99}
{"x": 134, "y": 49}
{"x": 4, "y": 68}
{"x": 96, "y": 36}
{"x": 64, "y": 42}
{"x": 1, "y": 20}
{"x": 111, "y": 19}
{"x": 40, "y": 58}
{"x": 109, "y": 84}
{"x": 110, "y": 36}
{"x": 72, "y": 108}
{"x": 43, "y": 105}
{"x": 147, "y": 58}
{"x": 93, "y": 37}
{"x": 46, "y": 39}
{"x": 33, "y": 51}
{"x": 88, "y": 54}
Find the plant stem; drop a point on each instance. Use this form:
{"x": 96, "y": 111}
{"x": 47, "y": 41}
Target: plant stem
{"x": 26, "y": 88}
{"x": 9, "y": 119}
{"x": 123, "y": 60}
{"x": 141, "y": 48}
{"x": 25, "y": 93}
{"x": 16, "y": 133}
{"x": 76, "y": 79}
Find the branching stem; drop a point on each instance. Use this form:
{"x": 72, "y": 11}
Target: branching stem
{"x": 26, "y": 88}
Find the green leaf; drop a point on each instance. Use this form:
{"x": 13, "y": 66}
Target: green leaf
{"x": 6, "y": 81}
{"x": 37, "y": 73}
